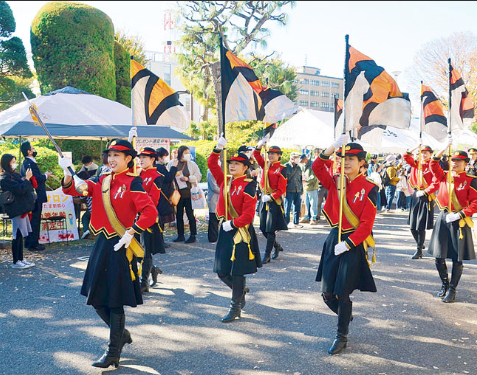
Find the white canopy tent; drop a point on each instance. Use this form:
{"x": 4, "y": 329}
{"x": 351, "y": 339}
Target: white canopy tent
{"x": 72, "y": 113}
{"x": 303, "y": 130}
{"x": 315, "y": 128}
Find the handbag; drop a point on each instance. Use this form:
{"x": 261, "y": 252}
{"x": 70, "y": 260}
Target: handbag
{"x": 197, "y": 198}
{"x": 175, "y": 196}
{"x": 6, "y": 197}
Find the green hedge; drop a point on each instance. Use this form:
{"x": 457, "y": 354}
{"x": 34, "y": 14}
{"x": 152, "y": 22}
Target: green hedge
{"x": 73, "y": 44}
{"x": 122, "y": 61}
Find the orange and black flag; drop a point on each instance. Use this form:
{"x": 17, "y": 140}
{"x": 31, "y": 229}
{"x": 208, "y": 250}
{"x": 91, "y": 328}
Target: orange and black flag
{"x": 244, "y": 98}
{"x": 461, "y": 106}
{"x": 433, "y": 121}
{"x": 372, "y": 96}
{"x": 154, "y": 102}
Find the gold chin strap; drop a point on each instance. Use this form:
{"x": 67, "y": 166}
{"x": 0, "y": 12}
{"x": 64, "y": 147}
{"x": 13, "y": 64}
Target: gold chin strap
{"x": 354, "y": 221}
{"x": 135, "y": 247}
{"x": 242, "y": 234}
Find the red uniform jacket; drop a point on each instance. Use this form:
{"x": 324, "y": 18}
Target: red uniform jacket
{"x": 361, "y": 195}
{"x": 465, "y": 187}
{"x": 128, "y": 198}
{"x": 242, "y": 194}
{"x": 152, "y": 183}
{"x": 277, "y": 178}
{"x": 427, "y": 175}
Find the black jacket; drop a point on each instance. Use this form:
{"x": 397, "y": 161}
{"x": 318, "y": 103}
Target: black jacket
{"x": 163, "y": 207}
{"x": 24, "y": 196}
{"x": 40, "y": 178}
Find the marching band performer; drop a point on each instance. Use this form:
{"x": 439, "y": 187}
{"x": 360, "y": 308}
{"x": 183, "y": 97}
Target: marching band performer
{"x": 111, "y": 277}
{"x": 421, "y": 213}
{"x": 344, "y": 265}
{"x": 472, "y": 166}
{"x": 152, "y": 238}
{"x": 236, "y": 253}
{"x": 274, "y": 186}
{"x": 452, "y": 234}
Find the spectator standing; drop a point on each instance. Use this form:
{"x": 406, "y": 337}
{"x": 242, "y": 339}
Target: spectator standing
{"x": 294, "y": 190}
{"x": 89, "y": 166}
{"x": 188, "y": 175}
{"x": 376, "y": 177}
{"x": 166, "y": 211}
{"x": 29, "y": 152}
{"x": 311, "y": 185}
{"x": 372, "y": 162}
{"x": 472, "y": 166}
{"x": 18, "y": 210}
{"x": 391, "y": 182}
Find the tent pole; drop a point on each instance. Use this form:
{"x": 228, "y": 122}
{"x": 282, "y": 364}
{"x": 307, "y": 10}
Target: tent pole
{"x": 20, "y": 153}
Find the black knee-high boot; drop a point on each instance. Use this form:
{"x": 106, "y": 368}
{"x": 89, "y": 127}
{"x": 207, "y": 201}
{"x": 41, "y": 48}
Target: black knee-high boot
{"x": 442, "y": 269}
{"x": 278, "y": 248}
{"x": 238, "y": 286}
{"x": 419, "y": 237}
{"x": 344, "y": 317}
{"x": 113, "y": 353}
{"x": 227, "y": 280}
{"x": 104, "y": 314}
{"x": 146, "y": 271}
{"x": 457, "y": 268}
{"x": 268, "y": 250}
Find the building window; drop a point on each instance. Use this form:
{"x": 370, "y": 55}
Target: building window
{"x": 314, "y": 104}
{"x": 325, "y": 94}
{"x": 304, "y": 103}
{"x": 304, "y": 81}
{"x": 315, "y": 83}
{"x": 332, "y": 105}
{"x": 303, "y": 92}
{"x": 325, "y": 105}
{"x": 296, "y": 80}
{"x": 314, "y": 93}
{"x": 167, "y": 74}
{"x": 325, "y": 83}
{"x": 335, "y": 85}
{"x": 336, "y": 95}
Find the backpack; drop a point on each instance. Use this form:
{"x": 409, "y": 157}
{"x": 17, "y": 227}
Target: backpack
{"x": 385, "y": 177}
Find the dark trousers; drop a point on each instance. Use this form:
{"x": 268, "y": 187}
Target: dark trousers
{"x": 322, "y": 194}
{"x": 295, "y": 199}
{"x": 85, "y": 219}
{"x": 17, "y": 247}
{"x": 185, "y": 203}
{"x": 35, "y": 222}
{"x": 213, "y": 229}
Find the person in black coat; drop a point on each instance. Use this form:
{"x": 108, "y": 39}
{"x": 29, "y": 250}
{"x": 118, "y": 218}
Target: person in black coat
{"x": 166, "y": 211}
{"x": 30, "y": 153}
{"x": 23, "y": 203}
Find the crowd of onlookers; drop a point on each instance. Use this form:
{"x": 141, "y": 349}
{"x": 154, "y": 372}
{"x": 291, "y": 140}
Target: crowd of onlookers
{"x": 304, "y": 198}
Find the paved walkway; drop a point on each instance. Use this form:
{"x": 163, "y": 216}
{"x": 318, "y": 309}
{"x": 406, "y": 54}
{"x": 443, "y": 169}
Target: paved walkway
{"x": 46, "y": 328}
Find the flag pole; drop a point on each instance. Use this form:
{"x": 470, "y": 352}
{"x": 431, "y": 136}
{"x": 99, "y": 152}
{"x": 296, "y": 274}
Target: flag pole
{"x": 132, "y": 110}
{"x": 223, "y": 122}
{"x": 342, "y": 197}
{"x": 449, "y": 130}
{"x": 419, "y": 175}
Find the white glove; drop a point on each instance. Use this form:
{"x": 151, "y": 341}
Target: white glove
{"x": 227, "y": 226}
{"x": 448, "y": 140}
{"x": 263, "y": 141}
{"x": 132, "y": 133}
{"x": 124, "y": 241}
{"x": 341, "y": 140}
{"x": 420, "y": 193}
{"x": 453, "y": 216}
{"x": 65, "y": 163}
{"x": 221, "y": 143}
{"x": 266, "y": 198}
{"x": 341, "y": 248}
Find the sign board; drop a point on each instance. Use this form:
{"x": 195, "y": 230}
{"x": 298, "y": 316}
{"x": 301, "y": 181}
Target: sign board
{"x": 192, "y": 153}
{"x": 155, "y": 143}
{"x": 58, "y": 204}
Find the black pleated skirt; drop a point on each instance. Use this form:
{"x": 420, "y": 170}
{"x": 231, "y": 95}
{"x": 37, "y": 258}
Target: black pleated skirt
{"x": 107, "y": 280}
{"x": 445, "y": 241}
{"x": 242, "y": 265}
{"x": 342, "y": 274}
{"x": 273, "y": 218}
{"x": 152, "y": 240}
{"x": 421, "y": 213}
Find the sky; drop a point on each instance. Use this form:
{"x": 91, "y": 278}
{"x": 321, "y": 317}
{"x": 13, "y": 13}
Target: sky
{"x": 391, "y": 33}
